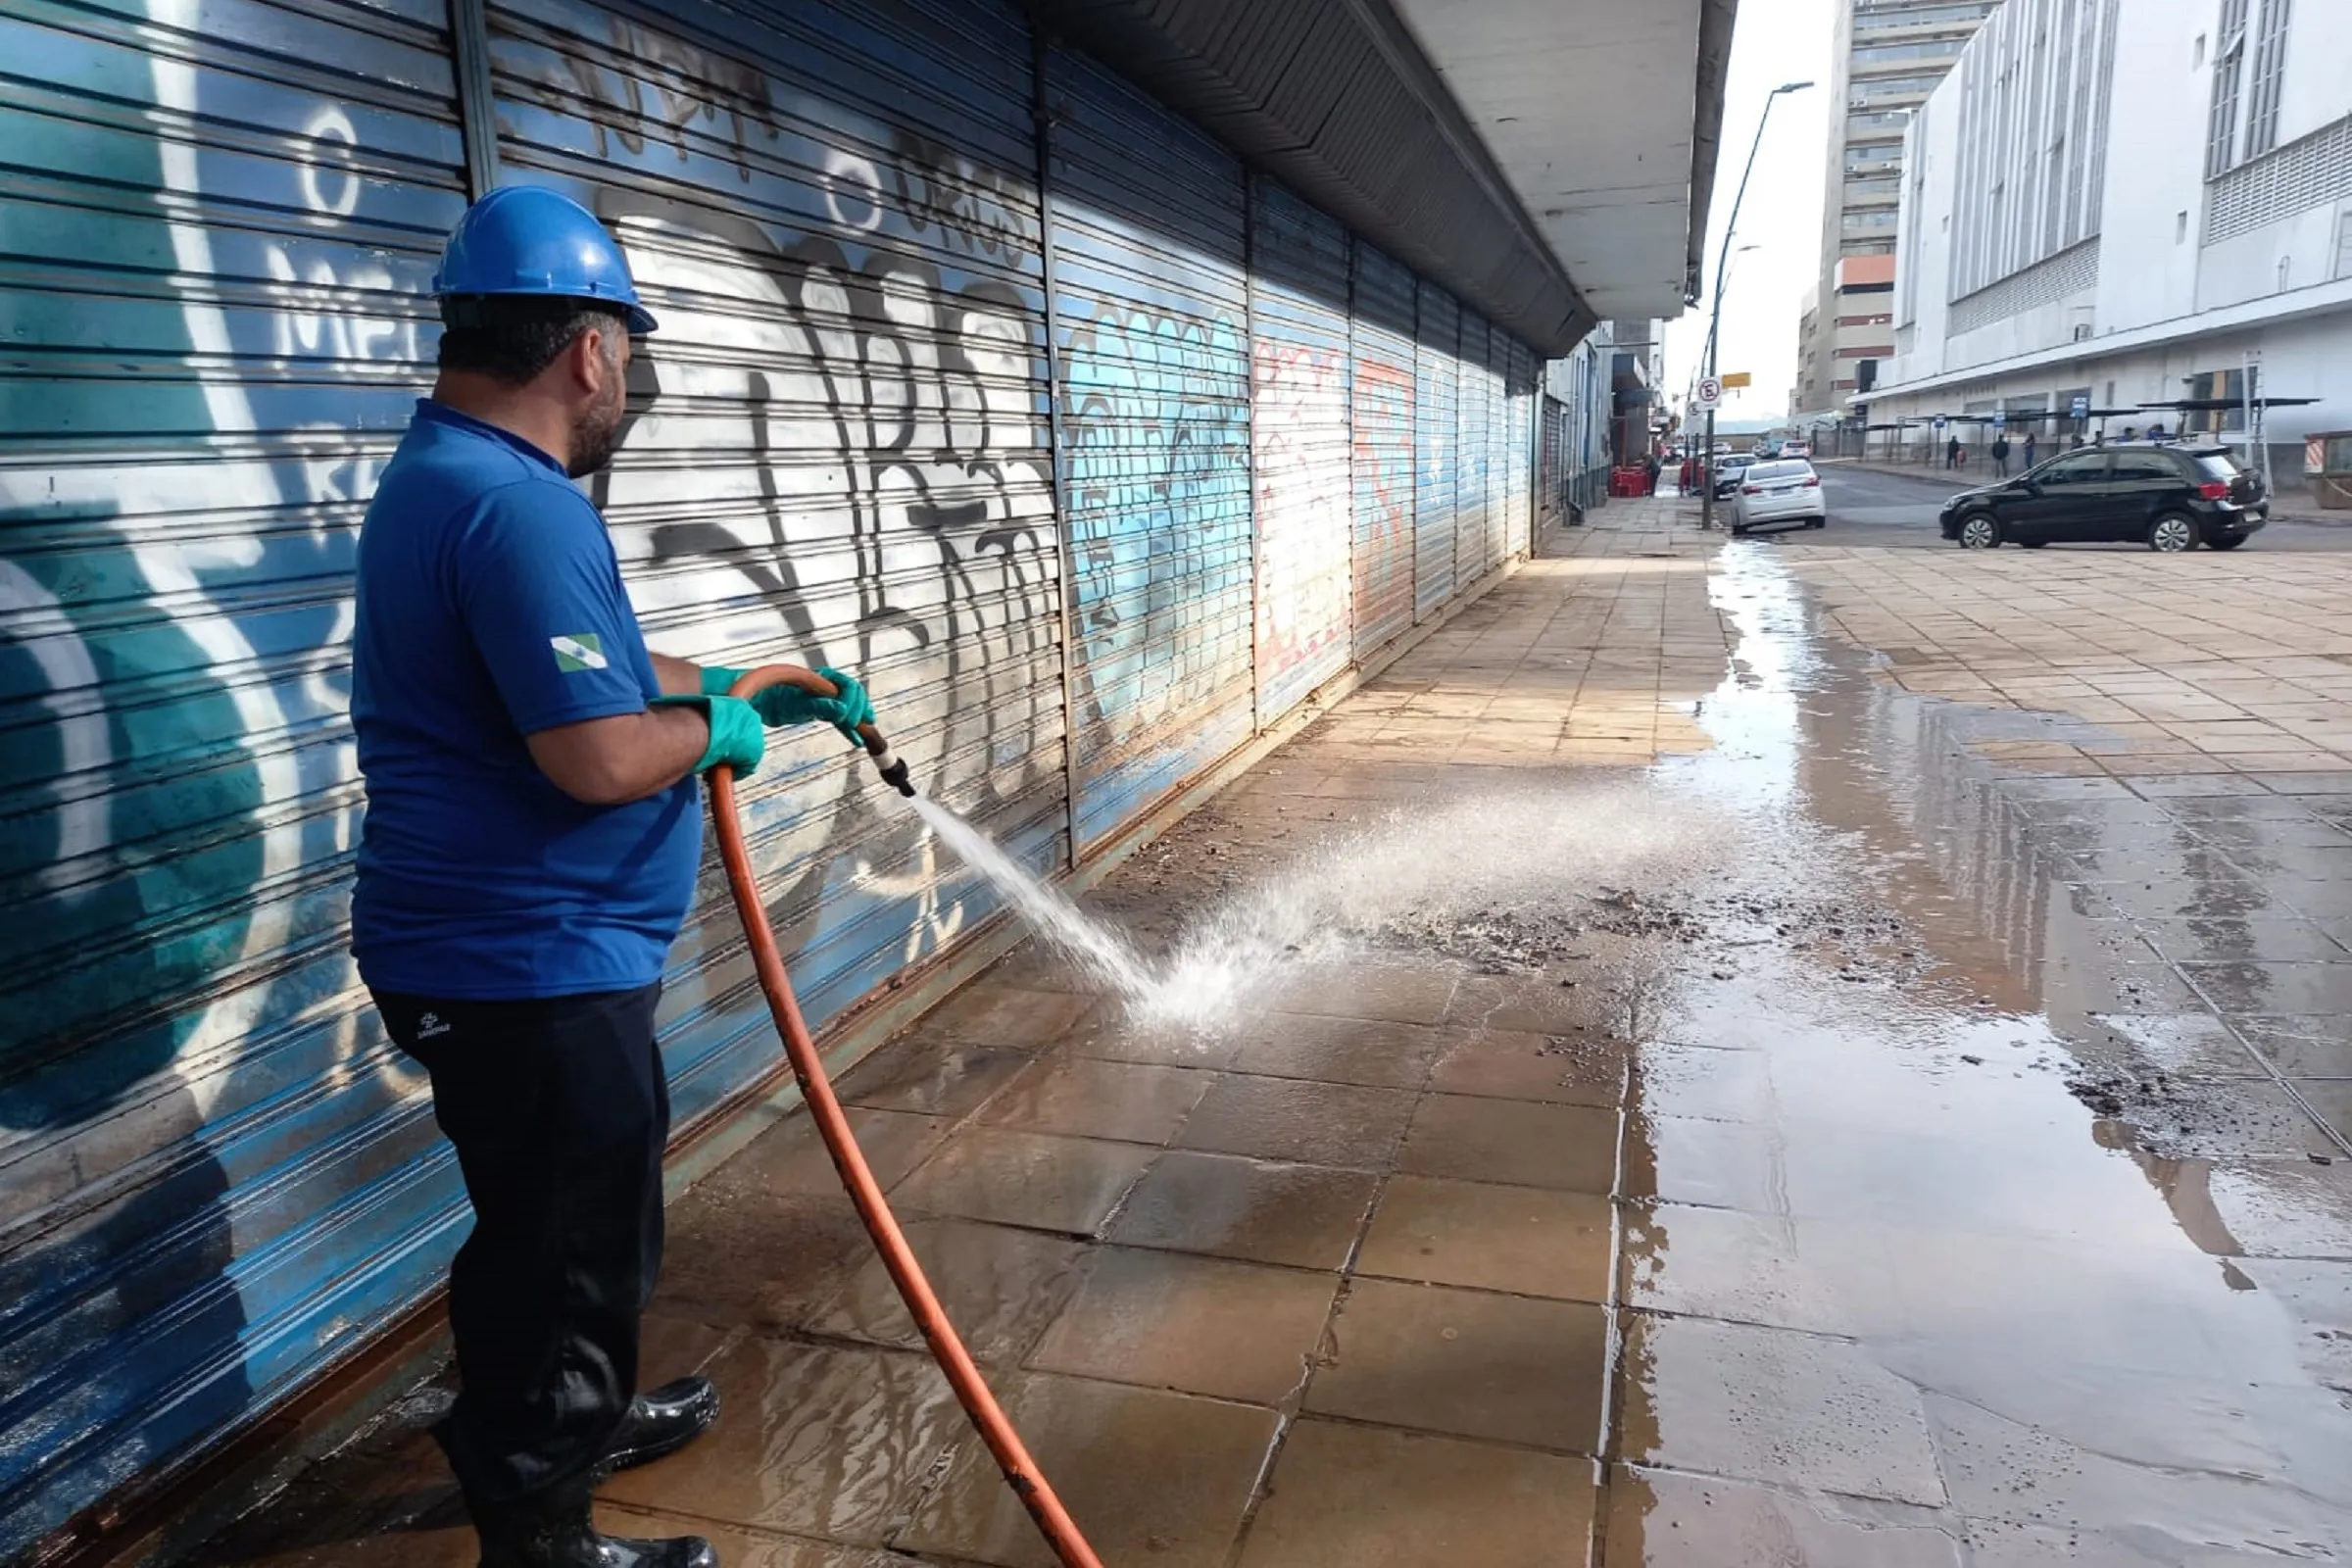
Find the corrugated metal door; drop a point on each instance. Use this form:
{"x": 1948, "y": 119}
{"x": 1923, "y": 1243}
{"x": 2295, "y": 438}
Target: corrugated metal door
{"x": 1505, "y": 447}
{"x": 1522, "y": 436}
{"x": 1474, "y": 421}
{"x": 1437, "y": 447}
{"x": 1553, "y": 461}
{"x": 218, "y": 217}
{"x": 843, "y": 454}
{"x": 1299, "y": 268}
{"x": 1151, "y": 326}
{"x": 1381, "y": 410}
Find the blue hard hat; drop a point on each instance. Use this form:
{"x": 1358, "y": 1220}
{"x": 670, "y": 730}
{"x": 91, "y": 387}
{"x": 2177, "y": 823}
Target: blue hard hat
{"x": 522, "y": 239}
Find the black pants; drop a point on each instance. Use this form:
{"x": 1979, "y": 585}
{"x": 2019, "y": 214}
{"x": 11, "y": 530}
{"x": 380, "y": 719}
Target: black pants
{"x": 560, "y": 1113}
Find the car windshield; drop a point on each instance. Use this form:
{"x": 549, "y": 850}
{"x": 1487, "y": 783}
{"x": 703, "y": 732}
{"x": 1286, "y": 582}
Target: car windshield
{"x": 1740, "y": 461}
{"x": 2218, "y": 465}
{"x": 1780, "y": 470}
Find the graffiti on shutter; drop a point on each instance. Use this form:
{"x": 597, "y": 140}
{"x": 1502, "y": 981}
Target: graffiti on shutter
{"x": 1380, "y": 409}
{"x": 1437, "y": 447}
{"x": 1298, "y": 445}
{"x": 1153, "y": 302}
{"x": 220, "y": 217}
{"x": 1473, "y": 420}
{"x": 838, "y": 453}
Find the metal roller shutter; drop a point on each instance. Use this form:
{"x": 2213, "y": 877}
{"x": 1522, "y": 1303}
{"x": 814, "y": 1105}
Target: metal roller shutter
{"x": 1473, "y": 422}
{"x": 1521, "y": 435}
{"x": 219, "y": 215}
{"x": 842, "y": 456}
{"x": 1151, "y": 301}
{"x": 1298, "y": 266}
{"x": 1381, "y": 410}
{"x": 1437, "y": 447}
{"x": 1502, "y": 449}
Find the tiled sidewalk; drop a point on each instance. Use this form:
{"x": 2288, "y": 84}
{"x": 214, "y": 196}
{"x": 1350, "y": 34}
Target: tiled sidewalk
{"x": 1338, "y": 1276}
{"x": 1687, "y": 1251}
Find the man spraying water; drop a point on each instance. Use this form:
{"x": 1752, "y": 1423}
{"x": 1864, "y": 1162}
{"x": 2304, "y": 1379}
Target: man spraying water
{"x": 530, "y": 851}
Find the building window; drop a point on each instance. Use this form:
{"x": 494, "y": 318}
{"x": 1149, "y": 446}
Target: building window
{"x": 2229, "y": 64}
{"x": 2230, "y": 384}
{"x": 2344, "y": 243}
{"x": 1867, "y": 21}
{"x": 2270, "y": 64}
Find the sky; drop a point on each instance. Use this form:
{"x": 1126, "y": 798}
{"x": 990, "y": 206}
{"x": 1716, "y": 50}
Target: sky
{"x": 1774, "y": 41}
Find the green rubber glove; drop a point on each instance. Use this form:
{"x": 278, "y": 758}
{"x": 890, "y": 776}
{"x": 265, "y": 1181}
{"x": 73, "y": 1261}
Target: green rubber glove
{"x": 737, "y": 736}
{"x": 777, "y": 705}
{"x": 848, "y": 708}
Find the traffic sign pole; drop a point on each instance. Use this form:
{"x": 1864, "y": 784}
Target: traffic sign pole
{"x": 1710, "y": 394}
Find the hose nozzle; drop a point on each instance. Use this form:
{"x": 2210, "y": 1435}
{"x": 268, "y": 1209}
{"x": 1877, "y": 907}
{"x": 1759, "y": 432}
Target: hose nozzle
{"x": 893, "y": 769}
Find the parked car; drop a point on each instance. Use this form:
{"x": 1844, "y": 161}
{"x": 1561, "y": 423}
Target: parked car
{"x": 1727, "y": 473}
{"x": 1781, "y": 491}
{"x": 1796, "y": 449}
{"x": 2170, "y": 497}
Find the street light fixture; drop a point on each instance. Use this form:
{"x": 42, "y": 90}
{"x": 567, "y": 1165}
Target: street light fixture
{"x": 1691, "y": 392}
{"x": 1723, "y": 262}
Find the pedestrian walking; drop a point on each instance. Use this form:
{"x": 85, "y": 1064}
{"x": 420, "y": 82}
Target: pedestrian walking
{"x": 1951, "y": 452}
{"x": 2000, "y": 456}
{"x": 530, "y": 849}
{"x": 2029, "y": 449}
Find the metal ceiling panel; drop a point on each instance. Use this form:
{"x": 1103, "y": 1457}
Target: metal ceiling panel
{"x": 1336, "y": 100}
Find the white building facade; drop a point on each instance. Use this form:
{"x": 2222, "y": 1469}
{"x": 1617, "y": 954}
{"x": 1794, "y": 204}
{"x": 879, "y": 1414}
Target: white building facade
{"x": 1888, "y": 56}
{"x": 2132, "y": 202}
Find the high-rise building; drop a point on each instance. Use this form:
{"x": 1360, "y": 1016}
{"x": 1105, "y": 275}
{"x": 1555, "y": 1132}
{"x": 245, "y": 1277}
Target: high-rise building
{"x": 1889, "y": 55}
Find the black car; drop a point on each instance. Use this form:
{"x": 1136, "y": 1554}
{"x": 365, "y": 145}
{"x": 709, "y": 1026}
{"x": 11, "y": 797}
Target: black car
{"x": 2166, "y": 495}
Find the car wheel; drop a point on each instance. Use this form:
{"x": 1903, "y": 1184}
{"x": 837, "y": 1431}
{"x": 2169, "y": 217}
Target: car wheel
{"x": 2226, "y": 544}
{"x": 1738, "y": 530}
{"x": 2173, "y": 533}
{"x": 1979, "y": 531}
{"x": 1819, "y": 523}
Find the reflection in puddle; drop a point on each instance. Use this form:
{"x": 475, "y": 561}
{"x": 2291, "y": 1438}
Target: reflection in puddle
{"x": 1894, "y": 1265}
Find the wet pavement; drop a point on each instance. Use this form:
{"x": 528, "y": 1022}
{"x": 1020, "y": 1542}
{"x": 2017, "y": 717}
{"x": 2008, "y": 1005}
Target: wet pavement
{"x": 1818, "y": 1059}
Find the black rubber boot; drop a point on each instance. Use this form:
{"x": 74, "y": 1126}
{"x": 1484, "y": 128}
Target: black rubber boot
{"x": 558, "y": 1531}
{"x": 661, "y": 1423}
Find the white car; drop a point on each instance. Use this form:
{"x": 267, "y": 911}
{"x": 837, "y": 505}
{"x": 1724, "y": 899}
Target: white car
{"x": 1785, "y": 490}
{"x": 1796, "y": 449}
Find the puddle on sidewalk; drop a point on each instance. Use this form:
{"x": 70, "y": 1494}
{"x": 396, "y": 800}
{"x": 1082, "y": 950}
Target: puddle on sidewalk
{"x": 1902, "y": 1288}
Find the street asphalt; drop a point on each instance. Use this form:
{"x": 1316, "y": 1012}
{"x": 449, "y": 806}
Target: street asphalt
{"x": 1873, "y": 508}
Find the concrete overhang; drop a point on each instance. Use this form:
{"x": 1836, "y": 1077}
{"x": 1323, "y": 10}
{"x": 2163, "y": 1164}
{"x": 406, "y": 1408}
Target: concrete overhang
{"x": 1549, "y": 161}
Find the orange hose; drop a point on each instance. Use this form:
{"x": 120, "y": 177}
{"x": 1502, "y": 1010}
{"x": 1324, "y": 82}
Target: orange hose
{"x": 922, "y": 1303}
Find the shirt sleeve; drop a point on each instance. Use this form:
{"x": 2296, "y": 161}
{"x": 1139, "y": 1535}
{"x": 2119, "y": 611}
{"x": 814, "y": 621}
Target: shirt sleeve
{"x": 539, "y": 589}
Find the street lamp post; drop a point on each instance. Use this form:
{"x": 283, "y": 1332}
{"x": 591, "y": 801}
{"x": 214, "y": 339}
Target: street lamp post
{"x": 1723, "y": 262}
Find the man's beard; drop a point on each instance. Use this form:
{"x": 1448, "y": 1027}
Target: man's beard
{"x": 596, "y": 434}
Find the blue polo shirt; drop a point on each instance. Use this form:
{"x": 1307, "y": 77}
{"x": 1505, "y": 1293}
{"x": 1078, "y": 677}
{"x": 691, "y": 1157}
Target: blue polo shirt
{"x": 490, "y": 607}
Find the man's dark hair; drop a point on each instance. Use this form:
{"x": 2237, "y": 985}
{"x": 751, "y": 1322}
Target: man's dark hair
{"x": 513, "y": 337}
